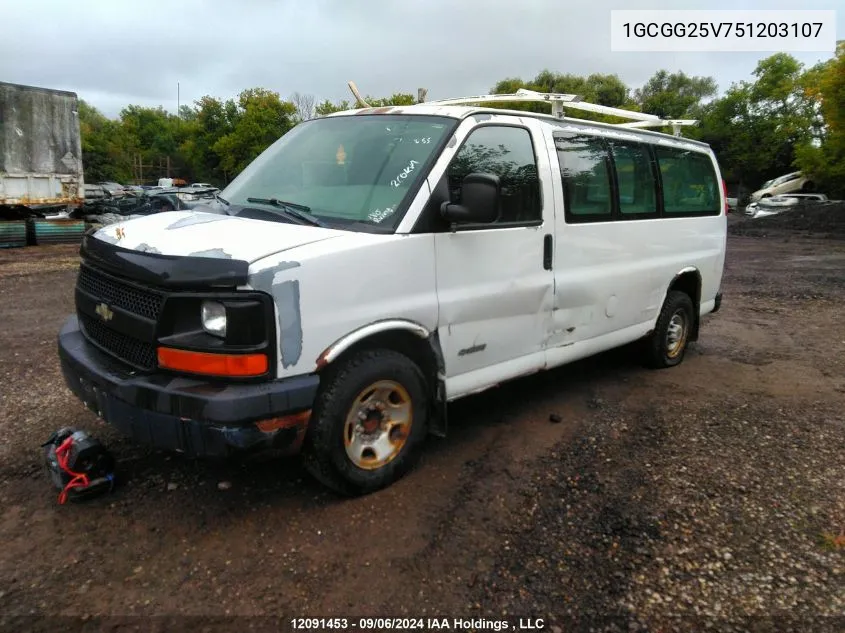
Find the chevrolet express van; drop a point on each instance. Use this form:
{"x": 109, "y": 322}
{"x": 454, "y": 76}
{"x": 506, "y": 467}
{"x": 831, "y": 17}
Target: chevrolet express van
{"x": 376, "y": 264}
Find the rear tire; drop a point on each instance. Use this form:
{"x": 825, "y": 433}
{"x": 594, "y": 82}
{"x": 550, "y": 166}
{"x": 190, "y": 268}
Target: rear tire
{"x": 667, "y": 344}
{"x": 368, "y": 422}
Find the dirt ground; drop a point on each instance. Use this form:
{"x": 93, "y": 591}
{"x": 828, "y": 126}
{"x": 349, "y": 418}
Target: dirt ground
{"x": 711, "y": 493}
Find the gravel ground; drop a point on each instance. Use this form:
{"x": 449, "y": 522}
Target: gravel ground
{"x": 710, "y": 496}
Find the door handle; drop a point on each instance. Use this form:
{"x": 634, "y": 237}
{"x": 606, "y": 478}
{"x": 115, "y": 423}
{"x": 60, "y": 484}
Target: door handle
{"x": 547, "y": 251}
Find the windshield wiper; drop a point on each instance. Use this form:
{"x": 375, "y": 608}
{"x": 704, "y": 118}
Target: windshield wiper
{"x": 299, "y": 211}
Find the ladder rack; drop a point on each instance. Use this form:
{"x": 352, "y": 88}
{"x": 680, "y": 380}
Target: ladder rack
{"x": 560, "y": 101}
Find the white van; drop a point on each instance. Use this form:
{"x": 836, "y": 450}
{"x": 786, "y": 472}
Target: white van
{"x": 373, "y": 265}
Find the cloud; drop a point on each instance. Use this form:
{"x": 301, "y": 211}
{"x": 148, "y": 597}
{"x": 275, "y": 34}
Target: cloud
{"x": 116, "y": 53}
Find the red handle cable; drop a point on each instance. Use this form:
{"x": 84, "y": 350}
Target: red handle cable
{"x": 78, "y": 480}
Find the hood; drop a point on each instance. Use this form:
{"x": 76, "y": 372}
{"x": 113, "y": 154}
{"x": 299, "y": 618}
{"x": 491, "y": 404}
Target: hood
{"x": 202, "y": 234}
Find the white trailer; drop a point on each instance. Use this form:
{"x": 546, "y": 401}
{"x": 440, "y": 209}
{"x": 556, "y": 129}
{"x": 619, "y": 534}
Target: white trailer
{"x": 40, "y": 148}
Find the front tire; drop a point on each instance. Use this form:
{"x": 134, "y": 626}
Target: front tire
{"x": 668, "y": 343}
{"x": 368, "y": 422}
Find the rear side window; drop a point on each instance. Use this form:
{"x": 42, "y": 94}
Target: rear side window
{"x": 634, "y": 179}
{"x": 689, "y": 182}
{"x": 585, "y": 169}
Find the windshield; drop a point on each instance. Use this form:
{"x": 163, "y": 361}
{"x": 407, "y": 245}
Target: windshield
{"x": 351, "y": 172}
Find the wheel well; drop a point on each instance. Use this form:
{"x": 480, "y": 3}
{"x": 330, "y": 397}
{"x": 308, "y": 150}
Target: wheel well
{"x": 419, "y": 350}
{"x": 425, "y": 352}
{"x": 689, "y": 282}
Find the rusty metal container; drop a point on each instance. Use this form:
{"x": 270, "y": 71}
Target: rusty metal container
{"x": 12, "y": 234}
{"x": 55, "y": 231}
{"x": 40, "y": 147}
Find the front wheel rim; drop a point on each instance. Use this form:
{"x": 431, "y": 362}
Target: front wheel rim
{"x": 676, "y": 334}
{"x": 378, "y": 424}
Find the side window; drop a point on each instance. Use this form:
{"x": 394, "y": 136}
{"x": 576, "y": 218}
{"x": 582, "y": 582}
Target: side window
{"x": 585, "y": 170}
{"x": 635, "y": 179}
{"x": 689, "y": 182}
{"x": 508, "y": 153}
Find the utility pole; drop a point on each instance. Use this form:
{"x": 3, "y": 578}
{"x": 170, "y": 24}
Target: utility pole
{"x": 178, "y": 102}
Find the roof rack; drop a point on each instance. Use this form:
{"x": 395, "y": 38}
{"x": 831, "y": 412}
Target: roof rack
{"x": 560, "y": 101}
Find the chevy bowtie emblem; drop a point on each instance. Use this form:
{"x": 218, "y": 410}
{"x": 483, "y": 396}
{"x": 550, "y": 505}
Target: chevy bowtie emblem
{"x": 104, "y": 312}
{"x": 120, "y": 233}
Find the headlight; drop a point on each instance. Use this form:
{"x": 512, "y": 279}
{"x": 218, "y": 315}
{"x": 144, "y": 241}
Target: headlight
{"x": 214, "y": 318}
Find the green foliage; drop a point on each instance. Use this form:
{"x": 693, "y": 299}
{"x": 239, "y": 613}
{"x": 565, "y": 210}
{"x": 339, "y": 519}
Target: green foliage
{"x": 327, "y": 107}
{"x": 105, "y": 146}
{"x": 608, "y": 90}
{"x": 672, "y": 96}
{"x": 757, "y": 126}
{"x": 824, "y": 161}
{"x": 398, "y": 99}
{"x": 260, "y": 120}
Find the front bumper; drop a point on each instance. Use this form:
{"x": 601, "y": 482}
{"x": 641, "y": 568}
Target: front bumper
{"x": 198, "y": 417}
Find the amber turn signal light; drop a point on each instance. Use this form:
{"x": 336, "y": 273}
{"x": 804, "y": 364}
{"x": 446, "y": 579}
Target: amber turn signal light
{"x": 212, "y": 364}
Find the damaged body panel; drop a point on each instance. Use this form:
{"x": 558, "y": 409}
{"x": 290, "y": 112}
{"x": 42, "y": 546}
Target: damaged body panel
{"x": 195, "y": 417}
{"x": 362, "y": 281}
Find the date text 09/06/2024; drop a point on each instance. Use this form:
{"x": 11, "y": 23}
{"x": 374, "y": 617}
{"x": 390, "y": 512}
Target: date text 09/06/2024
{"x": 416, "y": 624}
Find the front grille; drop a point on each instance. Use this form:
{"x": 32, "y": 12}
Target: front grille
{"x": 137, "y": 303}
{"x": 131, "y": 350}
{"x": 146, "y": 303}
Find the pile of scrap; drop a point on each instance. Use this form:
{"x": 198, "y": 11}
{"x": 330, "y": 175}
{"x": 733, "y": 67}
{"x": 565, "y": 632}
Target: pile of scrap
{"x": 29, "y": 225}
{"x": 103, "y": 210}
{"x": 819, "y": 219}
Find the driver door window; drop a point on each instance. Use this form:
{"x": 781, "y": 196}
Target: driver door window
{"x": 507, "y": 152}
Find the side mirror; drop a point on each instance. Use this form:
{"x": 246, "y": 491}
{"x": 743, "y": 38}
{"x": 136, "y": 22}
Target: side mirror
{"x": 480, "y": 201}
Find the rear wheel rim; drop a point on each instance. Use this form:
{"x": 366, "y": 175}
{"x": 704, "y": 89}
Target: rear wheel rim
{"x": 378, "y": 424}
{"x": 676, "y": 334}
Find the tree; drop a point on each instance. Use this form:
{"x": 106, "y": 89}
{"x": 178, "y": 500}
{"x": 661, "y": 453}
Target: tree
{"x": 755, "y": 128}
{"x": 304, "y": 104}
{"x": 213, "y": 119}
{"x": 824, "y": 161}
{"x": 397, "y": 99}
{"x": 105, "y": 153}
{"x": 608, "y": 90}
{"x": 156, "y": 136}
{"x": 326, "y": 107}
{"x": 672, "y": 96}
{"x": 261, "y": 119}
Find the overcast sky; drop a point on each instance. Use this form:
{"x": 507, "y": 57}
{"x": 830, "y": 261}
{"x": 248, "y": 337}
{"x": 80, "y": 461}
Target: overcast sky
{"x": 116, "y": 52}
